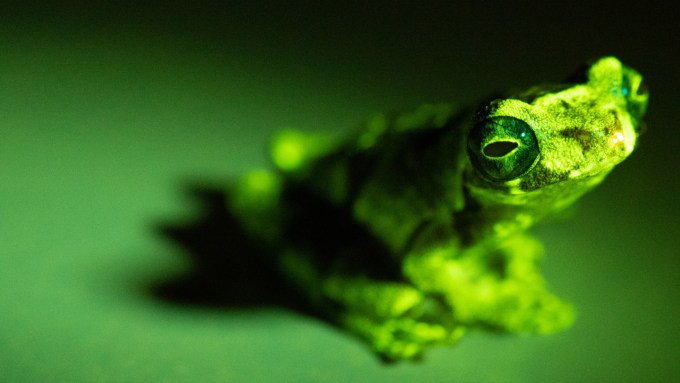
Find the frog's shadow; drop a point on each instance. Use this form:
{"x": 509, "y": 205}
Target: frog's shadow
{"x": 227, "y": 271}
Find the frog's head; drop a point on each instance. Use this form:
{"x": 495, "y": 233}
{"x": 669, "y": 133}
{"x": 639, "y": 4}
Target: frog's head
{"x": 556, "y": 140}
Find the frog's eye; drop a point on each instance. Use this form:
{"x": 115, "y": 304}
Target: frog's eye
{"x": 502, "y": 148}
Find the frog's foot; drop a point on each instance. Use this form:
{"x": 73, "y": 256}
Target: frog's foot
{"x": 520, "y": 301}
{"x": 395, "y": 319}
{"x": 400, "y": 338}
{"x": 498, "y": 286}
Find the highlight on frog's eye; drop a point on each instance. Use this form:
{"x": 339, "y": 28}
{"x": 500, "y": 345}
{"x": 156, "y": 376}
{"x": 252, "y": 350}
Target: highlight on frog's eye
{"x": 415, "y": 228}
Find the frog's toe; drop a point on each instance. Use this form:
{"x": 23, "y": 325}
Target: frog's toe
{"x": 292, "y": 149}
{"x": 402, "y": 338}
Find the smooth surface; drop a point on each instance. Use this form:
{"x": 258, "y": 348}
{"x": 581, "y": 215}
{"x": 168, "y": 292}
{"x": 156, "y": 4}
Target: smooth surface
{"x": 107, "y": 112}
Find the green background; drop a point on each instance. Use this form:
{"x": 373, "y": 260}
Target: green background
{"x": 109, "y": 110}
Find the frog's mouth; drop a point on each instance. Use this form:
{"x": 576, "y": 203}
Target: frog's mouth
{"x": 531, "y": 193}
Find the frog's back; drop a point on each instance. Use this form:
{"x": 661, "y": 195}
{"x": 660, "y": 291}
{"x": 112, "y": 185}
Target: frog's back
{"x": 389, "y": 178}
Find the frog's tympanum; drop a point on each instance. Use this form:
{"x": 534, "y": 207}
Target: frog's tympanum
{"x": 414, "y": 229}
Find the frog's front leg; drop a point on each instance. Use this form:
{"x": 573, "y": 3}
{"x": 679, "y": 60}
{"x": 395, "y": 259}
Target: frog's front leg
{"x": 495, "y": 284}
{"x": 394, "y": 318}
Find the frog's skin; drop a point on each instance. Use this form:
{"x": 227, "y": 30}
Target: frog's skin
{"x": 414, "y": 229}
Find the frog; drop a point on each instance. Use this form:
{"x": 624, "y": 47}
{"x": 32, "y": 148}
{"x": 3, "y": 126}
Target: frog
{"x": 414, "y": 229}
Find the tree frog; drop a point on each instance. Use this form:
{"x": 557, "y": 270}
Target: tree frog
{"x": 414, "y": 229}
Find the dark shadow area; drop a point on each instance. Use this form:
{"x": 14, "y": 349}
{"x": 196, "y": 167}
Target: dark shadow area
{"x": 230, "y": 270}
{"x": 227, "y": 269}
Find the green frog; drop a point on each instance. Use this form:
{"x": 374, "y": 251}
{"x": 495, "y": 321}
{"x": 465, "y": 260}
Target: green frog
{"x": 414, "y": 229}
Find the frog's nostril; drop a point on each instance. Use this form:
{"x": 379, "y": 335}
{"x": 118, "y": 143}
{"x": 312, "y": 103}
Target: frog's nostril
{"x": 499, "y": 148}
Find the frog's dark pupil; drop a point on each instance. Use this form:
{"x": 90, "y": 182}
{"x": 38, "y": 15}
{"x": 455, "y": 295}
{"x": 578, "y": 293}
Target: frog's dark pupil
{"x": 499, "y": 148}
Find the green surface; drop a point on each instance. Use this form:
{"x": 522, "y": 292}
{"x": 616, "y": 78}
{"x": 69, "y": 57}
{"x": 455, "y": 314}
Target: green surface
{"x": 106, "y": 114}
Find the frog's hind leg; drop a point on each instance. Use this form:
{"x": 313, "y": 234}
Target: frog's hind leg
{"x": 255, "y": 198}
